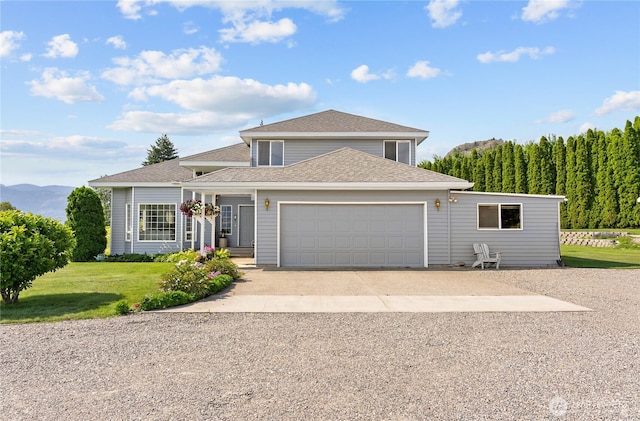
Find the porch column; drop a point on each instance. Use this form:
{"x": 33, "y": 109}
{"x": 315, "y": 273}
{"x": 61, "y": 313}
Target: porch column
{"x": 213, "y": 223}
{"x": 201, "y": 219}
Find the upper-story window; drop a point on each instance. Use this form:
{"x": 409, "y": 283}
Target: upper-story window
{"x": 398, "y": 150}
{"x": 271, "y": 153}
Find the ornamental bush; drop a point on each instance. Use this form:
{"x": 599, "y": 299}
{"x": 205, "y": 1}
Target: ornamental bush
{"x": 85, "y": 216}
{"x": 30, "y": 246}
{"x": 166, "y": 299}
{"x": 186, "y": 277}
{"x": 225, "y": 266}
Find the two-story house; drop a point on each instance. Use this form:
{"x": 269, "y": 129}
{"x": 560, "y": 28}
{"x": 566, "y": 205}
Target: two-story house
{"x": 329, "y": 189}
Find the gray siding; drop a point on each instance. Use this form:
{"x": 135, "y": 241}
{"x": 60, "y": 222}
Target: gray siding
{"x": 119, "y": 198}
{"x": 296, "y": 150}
{"x": 160, "y": 196}
{"x": 537, "y": 244}
{"x": 234, "y": 201}
{"x": 266, "y": 241}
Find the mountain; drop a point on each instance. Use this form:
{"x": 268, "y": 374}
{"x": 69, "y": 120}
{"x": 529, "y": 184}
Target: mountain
{"x": 49, "y": 201}
{"x": 480, "y": 145}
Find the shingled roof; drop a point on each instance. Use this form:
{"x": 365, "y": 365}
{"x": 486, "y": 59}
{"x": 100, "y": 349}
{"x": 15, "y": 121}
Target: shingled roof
{"x": 332, "y": 121}
{"x": 162, "y": 172}
{"x": 239, "y": 152}
{"x": 344, "y": 165}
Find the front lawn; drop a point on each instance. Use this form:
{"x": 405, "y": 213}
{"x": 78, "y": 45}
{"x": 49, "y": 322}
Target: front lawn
{"x": 600, "y": 257}
{"x": 84, "y": 291}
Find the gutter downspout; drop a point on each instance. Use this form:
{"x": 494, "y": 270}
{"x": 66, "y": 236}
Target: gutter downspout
{"x": 448, "y": 202}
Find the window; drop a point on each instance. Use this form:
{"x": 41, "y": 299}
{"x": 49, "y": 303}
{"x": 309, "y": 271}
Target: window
{"x": 500, "y": 216}
{"x": 188, "y": 229}
{"x": 271, "y": 153}
{"x": 127, "y": 222}
{"x": 157, "y": 222}
{"x": 398, "y": 150}
{"x": 225, "y": 219}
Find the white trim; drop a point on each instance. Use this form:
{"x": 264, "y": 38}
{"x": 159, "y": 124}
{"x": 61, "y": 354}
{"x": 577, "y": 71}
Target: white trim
{"x": 104, "y": 184}
{"x": 396, "y": 141}
{"x": 424, "y": 204}
{"x": 255, "y": 227}
{"x": 175, "y": 224}
{"x": 230, "y": 216}
{"x": 539, "y": 196}
{"x": 134, "y": 226}
{"x": 128, "y": 233}
{"x": 418, "y": 136}
{"x": 215, "y": 164}
{"x": 293, "y": 185}
{"x": 499, "y": 205}
{"x": 270, "y": 141}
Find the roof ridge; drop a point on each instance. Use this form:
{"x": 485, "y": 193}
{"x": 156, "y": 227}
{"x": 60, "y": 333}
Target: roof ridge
{"x": 216, "y": 149}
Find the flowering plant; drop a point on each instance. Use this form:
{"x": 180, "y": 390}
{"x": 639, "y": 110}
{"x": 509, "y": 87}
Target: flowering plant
{"x": 194, "y": 207}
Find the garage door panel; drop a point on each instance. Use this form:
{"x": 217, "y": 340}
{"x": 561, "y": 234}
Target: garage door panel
{"x": 375, "y": 235}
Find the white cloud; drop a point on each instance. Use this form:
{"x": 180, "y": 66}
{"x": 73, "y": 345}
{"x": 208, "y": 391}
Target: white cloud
{"x": 250, "y": 21}
{"x": 561, "y": 116}
{"x": 422, "y": 70}
{"x": 584, "y": 127}
{"x": 74, "y": 147}
{"x": 540, "y": 11}
{"x": 203, "y": 122}
{"x": 61, "y": 46}
{"x": 152, "y": 66}
{"x": 26, "y": 57}
{"x": 621, "y": 100}
{"x": 190, "y": 28}
{"x": 443, "y": 13}
{"x": 256, "y": 32}
{"x": 514, "y": 56}
{"x": 9, "y": 42}
{"x": 361, "y": 74}
{"x": 70, "y": 89}
{"x": 234, "y": 95}
{"x": 118, "y": 42}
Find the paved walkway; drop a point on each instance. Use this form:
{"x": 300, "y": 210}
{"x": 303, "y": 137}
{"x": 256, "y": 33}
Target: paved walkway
{"x": 357, "y": 291}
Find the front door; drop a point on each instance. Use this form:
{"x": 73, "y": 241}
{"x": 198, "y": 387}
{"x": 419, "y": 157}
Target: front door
{"x": 246, "y": 225}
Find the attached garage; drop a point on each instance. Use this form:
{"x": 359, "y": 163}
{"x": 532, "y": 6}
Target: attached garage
{"x": 349, "y": 234}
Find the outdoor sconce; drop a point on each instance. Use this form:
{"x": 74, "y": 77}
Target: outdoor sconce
{"x": 438, "y": 204}
{"x": 453, "y": 199}
{"x": 267, "y": 203}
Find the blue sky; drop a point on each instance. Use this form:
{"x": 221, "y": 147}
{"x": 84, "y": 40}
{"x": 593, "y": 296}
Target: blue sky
{"x": 88, "y": 86}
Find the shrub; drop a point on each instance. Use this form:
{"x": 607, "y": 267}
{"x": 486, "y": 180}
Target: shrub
{"x": 225, "y": 266}
{"x": 185, "y": 277}
{"x": 218, "y": 283}
{"x": 122, "y": 307}
{"x": 176, "y": 257}
{"x": 30, "y": 246}
{"x": 166, "y": 299}
{"x": 85, "y": 217}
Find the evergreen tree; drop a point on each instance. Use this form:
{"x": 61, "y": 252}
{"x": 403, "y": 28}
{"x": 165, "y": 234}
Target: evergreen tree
{"x": 606, "y": 203}
{"x": 85, "y": 217}
{"x": 487, "y": 157}
{"x": 559, "y": 160}
{"x": 508, "y": 168}
{"x": 629, "y": 189}
{"x": 583, "y": 186}
{"x": 547, "y": 170}
{"x": 571, "y": 181}
{"x": 520, "y": 169}
{"x": 497, "y": 169}
{"x": 479, "y": 173}
{"x": 534, "y": 175}
{"x": 163, "y": 150}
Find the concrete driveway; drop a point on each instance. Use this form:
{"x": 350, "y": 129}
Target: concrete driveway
{"x": 263, "y": 290}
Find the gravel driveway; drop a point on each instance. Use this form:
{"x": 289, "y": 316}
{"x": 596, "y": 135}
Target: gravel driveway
{"x": 340, "y": 366}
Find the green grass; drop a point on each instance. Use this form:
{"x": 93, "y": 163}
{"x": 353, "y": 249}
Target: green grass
{"x": 84, "y": 291}
{"x": 600, "y": 257}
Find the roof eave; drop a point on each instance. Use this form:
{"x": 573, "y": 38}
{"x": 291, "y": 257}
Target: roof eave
{"x": 288, "y": 185}
{"x": 221, "y": 164}
{"x": 111, "y": 184}
{"x": 247, "y": 136}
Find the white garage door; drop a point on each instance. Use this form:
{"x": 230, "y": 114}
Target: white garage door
{"x": 368, "y": 235}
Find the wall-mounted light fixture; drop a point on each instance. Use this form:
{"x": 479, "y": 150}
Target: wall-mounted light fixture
{"x": 437, "y": 204}
{"x": 453, "y": 199}
{"x": 267, "y": 203}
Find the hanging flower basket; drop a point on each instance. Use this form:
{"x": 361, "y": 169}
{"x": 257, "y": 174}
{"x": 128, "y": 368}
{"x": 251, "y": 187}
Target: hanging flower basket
{"x": 194, "y": 207}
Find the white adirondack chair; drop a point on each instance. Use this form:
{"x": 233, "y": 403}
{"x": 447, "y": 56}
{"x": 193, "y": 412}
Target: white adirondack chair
{"x": 483, "y": 255}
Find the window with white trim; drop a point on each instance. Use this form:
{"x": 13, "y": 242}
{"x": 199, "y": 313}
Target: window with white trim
{"x": 500, "y": 216}
{"x": 127, "y": 222}
{"x": 157, "y": 222}
{"x": 398, "y": 150}
{"x": 271, "y": 153}
{"x": 225, "y": 219}
{"x": 188, "y": 229}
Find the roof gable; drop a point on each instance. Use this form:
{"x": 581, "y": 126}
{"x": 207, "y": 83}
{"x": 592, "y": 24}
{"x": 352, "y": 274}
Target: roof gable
{"x": 162, "y": 172}
{"x": 239, "y": 152}
{"x": 332, "y": 123}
